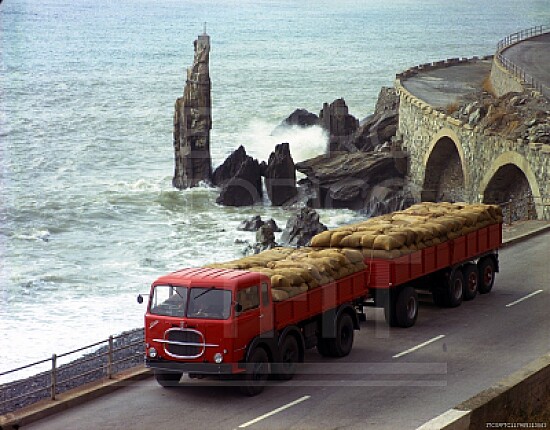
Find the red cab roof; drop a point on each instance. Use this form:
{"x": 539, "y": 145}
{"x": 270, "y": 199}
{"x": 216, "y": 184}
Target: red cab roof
{"x": 203, "y": 275}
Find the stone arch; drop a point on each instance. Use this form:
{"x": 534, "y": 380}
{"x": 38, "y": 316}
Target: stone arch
{"x": 511, "y": 177}
{"x": 446, "y": 176}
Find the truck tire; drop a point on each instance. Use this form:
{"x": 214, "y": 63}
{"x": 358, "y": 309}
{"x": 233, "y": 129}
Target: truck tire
{"x": 168, "y": 379}
{"x": 471, "y": 281}
{"x": 257, "y": 371}
{"x": 406, "y": 307}
{"x": 486, "y": 268}
{"x": 290, "y": 357}
{"x": 389, "y": 309}
{"x": 342, "y": 344}
{"x": 449, "y": 292}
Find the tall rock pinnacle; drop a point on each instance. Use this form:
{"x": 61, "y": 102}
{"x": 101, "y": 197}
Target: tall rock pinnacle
{"x": 193, "y": 122}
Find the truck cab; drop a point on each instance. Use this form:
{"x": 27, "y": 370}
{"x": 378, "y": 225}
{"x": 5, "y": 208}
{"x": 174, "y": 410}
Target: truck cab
{"x": 203, "y": 321}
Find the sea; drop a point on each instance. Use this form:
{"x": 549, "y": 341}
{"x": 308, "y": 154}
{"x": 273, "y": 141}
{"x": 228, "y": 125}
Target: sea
{"x": 88, "y": 214}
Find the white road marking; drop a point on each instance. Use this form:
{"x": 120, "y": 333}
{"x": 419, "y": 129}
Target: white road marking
{"x": 274, "y": 411}
{"x": 534, "y": 293}
{"x": 414, "y": 348}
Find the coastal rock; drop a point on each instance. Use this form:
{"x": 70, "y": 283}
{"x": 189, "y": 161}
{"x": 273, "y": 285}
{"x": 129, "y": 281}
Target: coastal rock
{"x": 193, "y": 122}
{"x": 302, "y": 227}
{"x": 280, "y": 176}
{"x": 255, "y": 222}
{"x": 245, "y": 188}
{"x": 375, "y": 131}
{"x": 337, "y": 121}
{"x": 301, "y": 118}
{"x": 230, "y": 166}
{"x": 343, "y": 179}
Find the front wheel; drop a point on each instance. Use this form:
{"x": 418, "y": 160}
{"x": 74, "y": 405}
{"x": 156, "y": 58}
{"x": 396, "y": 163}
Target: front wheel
{"x": 406, "y": 307}
{"x": 168, "y": 379}
{"x": 257, "y": 371}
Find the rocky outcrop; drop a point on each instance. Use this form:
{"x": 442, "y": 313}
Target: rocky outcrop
{"x": 343, "y": 179}
{"x": 193, "y": 121}
{"x": 337, "y": 121}
{"x": 245, "y": 188}
{"x": 301, "y": 118}
{"x": 280, "y": 176}
{"x": 302, "y": 227}
{"x": 230, "y": 167}
{"x": 254, "y": 223}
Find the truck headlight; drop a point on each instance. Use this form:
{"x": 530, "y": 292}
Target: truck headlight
{"x": 218, "y": 358}
{"x": 152, "y": 352}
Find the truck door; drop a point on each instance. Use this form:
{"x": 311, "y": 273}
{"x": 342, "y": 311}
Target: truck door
{"x": 248, "y": 316}
{"x": 266, "y": 314}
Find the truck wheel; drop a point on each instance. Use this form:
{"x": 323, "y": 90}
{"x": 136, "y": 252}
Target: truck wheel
{"x": 290, "y": 357}
{"x": 455, "y": 289}
{"x": 257, "y": 371}
{"x": 341, "y": 345}
{"x": 486, "y": 268}
{"x": 389, "y": 310}
{"x": 168, "y": 379}
{"x": 406, "y": 307}
{"x": 471, "y": 281}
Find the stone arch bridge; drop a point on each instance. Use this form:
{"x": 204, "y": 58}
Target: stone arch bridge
{"x": 451, "y": 160}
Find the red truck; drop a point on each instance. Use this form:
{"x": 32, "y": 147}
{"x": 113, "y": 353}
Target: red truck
{"x": 224, "y": 323}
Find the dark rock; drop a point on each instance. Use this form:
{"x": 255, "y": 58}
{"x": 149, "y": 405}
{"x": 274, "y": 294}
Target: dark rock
{"x": 343, "y": 179}
{"x": 193, "y": 121}
{"x": 255, "y": 222}
{"x": 302, "y": 227}
{"x": 245, "y": 188}
{"x": 375, "y": 131}
{"x": 265, "y": 238}
{"x": 230, "y": 167}
{"x": 337, "y": 121}
{"x": 302, "y": 118}
{"x": 280, "y": 176}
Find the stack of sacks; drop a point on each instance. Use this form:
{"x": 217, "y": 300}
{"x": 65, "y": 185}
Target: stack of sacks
{"x": 403, "y": 232}
{"x": 294, "y": 271}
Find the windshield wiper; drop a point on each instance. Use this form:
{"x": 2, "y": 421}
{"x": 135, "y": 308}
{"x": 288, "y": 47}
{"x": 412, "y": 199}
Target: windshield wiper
{"x": 204, "y": 292}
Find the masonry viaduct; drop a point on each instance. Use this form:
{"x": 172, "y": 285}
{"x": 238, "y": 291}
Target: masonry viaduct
{"x": 455, "y": 161}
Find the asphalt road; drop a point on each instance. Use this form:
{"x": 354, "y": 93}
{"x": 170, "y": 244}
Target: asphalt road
{"x": 533, "y": 56}
{"x": 389, "y": 380}
{"x": 442, "y": 87}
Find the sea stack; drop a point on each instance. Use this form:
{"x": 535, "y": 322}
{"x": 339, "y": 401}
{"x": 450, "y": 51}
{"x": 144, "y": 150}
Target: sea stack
{"x": 193, "y": 122}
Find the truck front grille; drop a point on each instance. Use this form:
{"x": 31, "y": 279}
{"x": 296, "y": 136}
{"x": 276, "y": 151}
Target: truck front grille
{"x": 184, "y": 343}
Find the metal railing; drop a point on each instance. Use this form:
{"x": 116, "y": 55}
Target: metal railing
{"x": 110, "y": 356}
{"x": 526, "y": 79}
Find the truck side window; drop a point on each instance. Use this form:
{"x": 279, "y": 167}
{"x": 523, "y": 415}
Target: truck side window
{"x": 265, "y": 294}
{"x": 248, "y": 298}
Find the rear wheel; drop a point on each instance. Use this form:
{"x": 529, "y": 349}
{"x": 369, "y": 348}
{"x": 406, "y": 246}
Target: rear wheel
{"x": 342, "y": 344}
{"x": 486, "y": 268}
{"x": 257, "y": 371}
{"x": 449, "y": 292}
{"x": 168, "y": 379}
{"x": 471, "y": 281}
{"x": 290, "y": 357}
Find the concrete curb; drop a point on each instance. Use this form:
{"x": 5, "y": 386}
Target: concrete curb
{"x": 522, "y": 237}
{"x": 528, "y": 388}
{"x": 77, "y": 396}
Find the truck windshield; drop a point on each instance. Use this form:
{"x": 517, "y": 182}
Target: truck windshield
{"x": 209, "y": 303}
{"x": 169, "y": 301}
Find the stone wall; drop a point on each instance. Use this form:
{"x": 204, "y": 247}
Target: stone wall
{"x": 502, "y": 82}
{"x": 481, "y": 154}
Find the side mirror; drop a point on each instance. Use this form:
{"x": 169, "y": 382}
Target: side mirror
{"x": 140, "y": 299}
{"x": 238, "y": 308}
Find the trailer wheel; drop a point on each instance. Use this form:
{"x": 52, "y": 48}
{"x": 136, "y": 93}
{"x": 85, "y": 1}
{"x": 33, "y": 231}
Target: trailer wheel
{"x": 449, "y": 292}
{"x": 257, "y": 371}
{"x": 290, "y": 357}
{"x": 406, "y": 307}
{"x": 341, "y": 345}
{"x": 486, "y": 268}
{"x": 471, "y": 281}
{"x": 168, "y": 379}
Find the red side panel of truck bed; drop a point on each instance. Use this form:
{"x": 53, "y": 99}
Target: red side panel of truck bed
{"x": 318, "y": 300}
{"x": 384, "y": 273}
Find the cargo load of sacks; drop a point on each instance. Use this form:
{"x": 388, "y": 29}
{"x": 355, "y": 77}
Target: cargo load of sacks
{"x": 294, "y": 271}
{"x": 407, "y": 231}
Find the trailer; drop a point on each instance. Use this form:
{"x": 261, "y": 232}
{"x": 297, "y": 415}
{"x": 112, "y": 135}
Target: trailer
{"x": 225, "y": 323}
